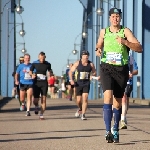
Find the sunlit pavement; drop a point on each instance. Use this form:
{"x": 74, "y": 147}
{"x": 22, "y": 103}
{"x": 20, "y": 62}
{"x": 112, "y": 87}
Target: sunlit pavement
{"x": 62, "y": 131}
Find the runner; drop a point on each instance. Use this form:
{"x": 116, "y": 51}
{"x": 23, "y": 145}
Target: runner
{"x": 69, "y": 86}
{"x": 16, "y": 89}
{"x": 125, "y": 100}
{"x": 84, "y": 67}
{"x": 40, "y": 68}
{"x": 114, "y": 69}
{"x": 23, "y": 78}
{"x": 51, "y": 82}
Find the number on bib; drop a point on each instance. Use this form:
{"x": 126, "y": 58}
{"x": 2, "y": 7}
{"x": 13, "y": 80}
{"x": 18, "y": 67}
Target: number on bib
{"x": 113, "y": 58}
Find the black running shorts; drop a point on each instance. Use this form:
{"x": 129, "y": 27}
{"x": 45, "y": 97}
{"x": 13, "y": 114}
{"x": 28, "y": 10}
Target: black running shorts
{"x": 80, "y": 89}
{"x": 114, "y": 78}
{"x": 128, "y": 90}
{"x": 40, "y": 87}
{"x": 25, "y": 87}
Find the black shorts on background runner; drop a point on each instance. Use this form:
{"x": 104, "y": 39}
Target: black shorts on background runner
{"x": 114, "y": 78}
{"x": 80, "y": 89}
{"x": 40, "y": 88}
{"x": 25, "y": 87}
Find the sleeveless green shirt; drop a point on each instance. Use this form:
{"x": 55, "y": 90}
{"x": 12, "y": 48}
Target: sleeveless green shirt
{"x": 114, "y": 53}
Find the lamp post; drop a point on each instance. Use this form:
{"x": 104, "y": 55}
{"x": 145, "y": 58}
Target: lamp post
{"x": 23, "y": 50}
{"x": 22, "y": 31}
{"x": 72, "y": 52}
{"x": 19, "y": 9}
{"x": 105, "y": 1}
{"x": 75, "y": 45}
{"x": 99, "y": 12}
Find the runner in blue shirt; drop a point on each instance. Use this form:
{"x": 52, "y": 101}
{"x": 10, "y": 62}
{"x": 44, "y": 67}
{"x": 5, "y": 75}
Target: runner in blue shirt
{"x": 125, "y": 100}
{"x": 23, "y": 78}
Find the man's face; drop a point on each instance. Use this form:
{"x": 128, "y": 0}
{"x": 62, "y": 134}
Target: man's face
{"x": 85, "y": 57}
{"x": 26, "y": 59}
{"x": 115, "y": 19}
{"x": 21, "y": 61}
{"x": 41, "y": 58}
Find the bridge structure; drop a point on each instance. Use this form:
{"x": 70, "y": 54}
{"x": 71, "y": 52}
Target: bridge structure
{"x": 134, "y": 16}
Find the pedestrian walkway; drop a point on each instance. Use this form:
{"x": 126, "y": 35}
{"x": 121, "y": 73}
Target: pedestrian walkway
{"x": 62, "y": 131}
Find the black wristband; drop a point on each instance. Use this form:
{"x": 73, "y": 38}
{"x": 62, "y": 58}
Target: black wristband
{"x": 96, "y": 49}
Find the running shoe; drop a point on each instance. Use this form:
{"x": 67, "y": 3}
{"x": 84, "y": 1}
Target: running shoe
{"x": 115, "y": 135}
{"x": 22, "y": 107}
{"x": 109, "y": 137}
{"x": 83, "y": 117}
{"x": 41, "y": 117}
{"x": 28, "y": 113}
{"x": 78, "y": 112}
{"x": 123, "y": 124}
{"x": 36, "y": 111}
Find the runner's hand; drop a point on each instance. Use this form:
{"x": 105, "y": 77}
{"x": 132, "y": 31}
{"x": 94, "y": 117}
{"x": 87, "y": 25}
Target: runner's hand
{"x": 17, "y": 82}
{"x": 130, "y": 75}
{"x": 120, "y": 40}
{"x": 33, "y": 76}
{"x": 71, "y": 82}
{"x": 98, "y": 78}
{"x": 99, "y": 52}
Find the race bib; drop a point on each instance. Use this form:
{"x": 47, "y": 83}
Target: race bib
{"x": 26, "y": 71}
{"x": 41, "y": 77}
{"x": 27, "y": 76}
{"x": 84, "y": 75}
{"x": 113, "y": 58}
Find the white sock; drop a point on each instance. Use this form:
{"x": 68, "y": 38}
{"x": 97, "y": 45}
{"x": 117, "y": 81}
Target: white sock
{"x": 123, "y": 118}
{"x": 124, "y": 109}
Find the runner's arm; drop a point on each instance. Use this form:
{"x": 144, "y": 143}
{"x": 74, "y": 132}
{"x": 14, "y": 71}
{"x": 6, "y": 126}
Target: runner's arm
{"x": 31, "y": 72}
{"x": 100, "y": 43}
{"x": 132, "y": 42}
{"x": 73, "y": 68}
{"x": 31, "y": 69}
{"x": 93, "y": 69}
{"x": 49, "y": 68}
{"x": 17, "y": 74}
{"x": 16, "y": 77}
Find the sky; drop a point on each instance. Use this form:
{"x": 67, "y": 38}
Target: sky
{"x": 51, "y": 26}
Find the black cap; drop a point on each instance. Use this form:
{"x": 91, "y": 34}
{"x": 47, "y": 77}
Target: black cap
{"x": 84, "y": 52}
{"x": 42, "y": 53}
{"x": 114, "y": 11}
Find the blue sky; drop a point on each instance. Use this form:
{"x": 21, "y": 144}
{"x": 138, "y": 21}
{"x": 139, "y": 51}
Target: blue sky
{"x": 51, "y": 26}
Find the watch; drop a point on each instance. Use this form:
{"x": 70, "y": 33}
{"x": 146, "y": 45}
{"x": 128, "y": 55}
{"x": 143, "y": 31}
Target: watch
{"x": 96, "y": 49}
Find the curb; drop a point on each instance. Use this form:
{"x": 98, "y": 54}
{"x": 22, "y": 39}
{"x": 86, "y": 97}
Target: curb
{"x": 140, "y": 101}
{"x": 134, "y": 100}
